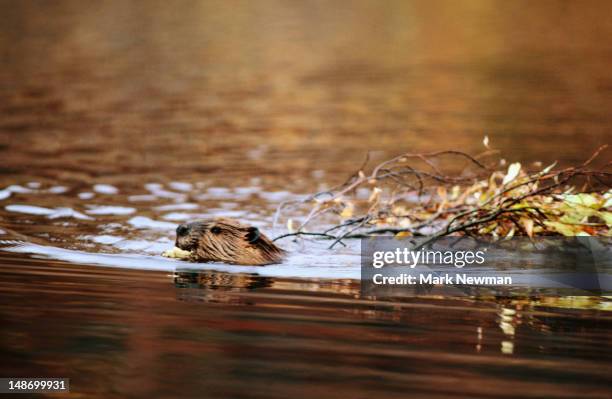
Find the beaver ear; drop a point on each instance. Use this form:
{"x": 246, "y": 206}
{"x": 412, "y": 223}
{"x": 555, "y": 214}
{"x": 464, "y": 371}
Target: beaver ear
{"x": 253, "y": 235}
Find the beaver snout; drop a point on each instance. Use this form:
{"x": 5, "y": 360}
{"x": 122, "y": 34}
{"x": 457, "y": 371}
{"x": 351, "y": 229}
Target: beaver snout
{"x": 183, "y": 237}
{"x": 182, "y": 230}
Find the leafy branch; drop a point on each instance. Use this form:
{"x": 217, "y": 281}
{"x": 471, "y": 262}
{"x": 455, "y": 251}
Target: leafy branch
{"x": 411, "y": 195}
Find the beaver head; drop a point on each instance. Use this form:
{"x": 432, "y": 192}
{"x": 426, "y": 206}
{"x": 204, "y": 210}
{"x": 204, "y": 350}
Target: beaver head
{"x": 227, "y": 240}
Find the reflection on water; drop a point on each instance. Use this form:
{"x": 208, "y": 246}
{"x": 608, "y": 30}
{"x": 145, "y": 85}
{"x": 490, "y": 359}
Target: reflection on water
{"x": 119, "y": 120}
{"x": 193, "y": 334}
{"x": 212, "y": 286}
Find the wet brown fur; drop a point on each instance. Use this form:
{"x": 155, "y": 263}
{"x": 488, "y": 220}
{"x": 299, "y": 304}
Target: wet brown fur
{"x": 227, "y": 240}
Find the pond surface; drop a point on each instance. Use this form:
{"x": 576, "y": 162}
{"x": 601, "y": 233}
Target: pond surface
{"x": 120, "y": 120}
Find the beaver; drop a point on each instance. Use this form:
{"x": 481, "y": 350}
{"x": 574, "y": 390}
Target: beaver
{"x": 226, "y": 240}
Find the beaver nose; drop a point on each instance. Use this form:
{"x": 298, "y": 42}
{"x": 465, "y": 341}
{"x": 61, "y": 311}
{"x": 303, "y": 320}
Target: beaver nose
{"x": 182, "y": 230}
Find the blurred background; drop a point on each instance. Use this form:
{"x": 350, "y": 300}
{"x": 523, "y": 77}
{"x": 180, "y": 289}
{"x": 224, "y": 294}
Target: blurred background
{"x": 229, "y": 90}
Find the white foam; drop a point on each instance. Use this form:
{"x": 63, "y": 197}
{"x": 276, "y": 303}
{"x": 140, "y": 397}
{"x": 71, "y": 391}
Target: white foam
{"x": 19, "y": 189}
{"x": 216, "y": 193}
{"x": 227, "y": 213}
{"x": 143, "y": 222}
{"x": 177, "y": 207}
{"x": 135, "y": 245}
{"x": 276, "y": 196}
{"x": 29, "y": 209}
{"x": 245, "y": 191}
{"x": 153, "y": 186}
{"x": 158, "y": 190}
{"x": 68, "y": 213}
{"x": 110, "y": 210}
{"x": 181, "y": 186}
{"x": 105, "y": 189}
{"x": 50, "y": 213}
{"x": 178, "y": 216}
{"x": 141, "y": 198}
{"x": 57, "y": 189}
{"x": 86, "y": 195}
{"x": 169, "y": 194}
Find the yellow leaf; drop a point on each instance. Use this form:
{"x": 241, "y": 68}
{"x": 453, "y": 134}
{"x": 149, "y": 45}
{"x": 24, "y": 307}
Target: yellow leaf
{"x": 492, "y": 183}
{"x": 607, "y": 217}
{"x": 584, "y": 199}
{"x": 513, "y": 172}
{"x": 403, "y": 234}
{"x": 567, "y": 230}
{"x": 548, "y": 168}
{"x": 347, "y": 212}
{"x": 375, "y": 194}
{"x": 455, "y": 192}
{"x": 488, "y": 229}
{"x": 441, "y": 206}
{"x": 442, "y": 192}
{"x": 575, "y": 213}
{"x": 608, "y": 197}
{"x": 528, "y": 226}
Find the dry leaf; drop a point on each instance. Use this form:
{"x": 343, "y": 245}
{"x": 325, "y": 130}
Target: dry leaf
{"x": 403, "y": 234}
{"x": 348, "y": 211}
{"x": 375, "y": 194}
{"x": 528, "y": 226}
{"x": 513, "y": 171}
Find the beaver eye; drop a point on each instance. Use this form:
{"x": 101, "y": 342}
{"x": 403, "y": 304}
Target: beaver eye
{"x": 215, "y": 230}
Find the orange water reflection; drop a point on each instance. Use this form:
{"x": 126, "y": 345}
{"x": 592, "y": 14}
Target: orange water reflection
{"x": 137, "y": 334}
{"x": 282, "y": 96}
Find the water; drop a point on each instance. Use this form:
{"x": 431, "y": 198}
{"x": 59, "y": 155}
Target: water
{"x": 120, "y": 120}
